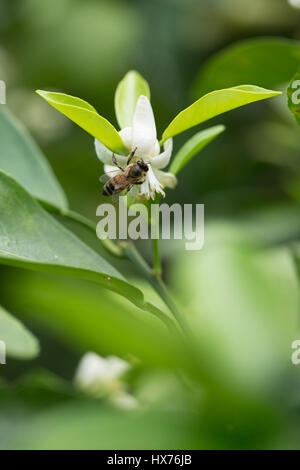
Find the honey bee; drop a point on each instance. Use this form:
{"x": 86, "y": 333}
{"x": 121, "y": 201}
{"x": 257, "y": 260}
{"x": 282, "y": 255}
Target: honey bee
{"x": 132, "y": 174}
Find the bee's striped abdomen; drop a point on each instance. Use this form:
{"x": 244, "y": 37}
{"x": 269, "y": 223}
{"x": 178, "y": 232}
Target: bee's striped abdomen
{"x": 108, "y": 188}
{"x": 115, "y": 185}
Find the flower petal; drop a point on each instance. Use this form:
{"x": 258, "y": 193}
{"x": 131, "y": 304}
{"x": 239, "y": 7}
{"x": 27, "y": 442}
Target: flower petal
{"x": 126, "y": 136}
{"x": 105, "y": 155}
{"x": 155, "y": 186}
{"x": 166, "y": 179}
{"x": 156, "y": 150}
{"x": 112, "y": 170}
{"x": 143, "y": 128}
{"x": 91, "y": 367}
{"x": 144, "y": 189}
{"x": 117, "y": 366}
{"x": 125, "y": 401}
{"x": 162, "y": 160}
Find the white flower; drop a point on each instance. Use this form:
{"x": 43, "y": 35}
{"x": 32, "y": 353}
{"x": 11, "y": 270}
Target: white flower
{"x": 96, "y": 370}
{"x": 103, "y": 377}
{"x": 294, "y": 3}
{"x": 142, "y": 136}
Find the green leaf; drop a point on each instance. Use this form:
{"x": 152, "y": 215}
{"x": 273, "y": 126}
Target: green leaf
{"x": 85, "y": 115}
{"x": 213, "y": 104}
{"x": 234, "y": 300}
{"x": 267, "y": 62}
{"x": 33, "y": 239}
{"x": 293, "y": 94}
{"x": 19, "y": 342}
{"x": 127, "y": 93}
{"x": 22, "y": 159}
{"x": 90, "y": 424}
{"x": 193, "y": 146}
{"x": 110, "y": 324}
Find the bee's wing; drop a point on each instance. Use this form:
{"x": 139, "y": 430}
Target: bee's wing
{"x": 115, "y": 197}
{"x": 106, "y": 176}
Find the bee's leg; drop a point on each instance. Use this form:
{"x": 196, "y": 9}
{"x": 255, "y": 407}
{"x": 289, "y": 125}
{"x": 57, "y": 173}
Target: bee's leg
{"x": 131, "y": 155}
{"x": 115, "y": 162}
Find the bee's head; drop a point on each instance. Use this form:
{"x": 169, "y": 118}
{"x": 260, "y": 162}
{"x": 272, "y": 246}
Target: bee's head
{"x": 142, "y": 165}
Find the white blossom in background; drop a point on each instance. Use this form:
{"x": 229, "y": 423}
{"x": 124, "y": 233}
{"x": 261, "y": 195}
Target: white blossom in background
{"x": 102, "y": 377}
{"x": 142, "y": 136}
{"x": 294, "y": 3}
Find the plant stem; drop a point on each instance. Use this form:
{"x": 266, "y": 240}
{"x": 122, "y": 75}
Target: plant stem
{"x": 131, "y": 253}
{"x": 128, "y": 249}
{"x": 157, "y": 268}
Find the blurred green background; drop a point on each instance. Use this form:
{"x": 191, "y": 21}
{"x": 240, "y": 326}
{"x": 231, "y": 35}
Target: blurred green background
{"x": 243, "y": 300}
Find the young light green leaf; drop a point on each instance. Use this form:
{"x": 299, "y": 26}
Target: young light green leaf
{"x": 19, "y": 342}
{"x": 127, "y": 93}
{"x": 85, "y": 115}
{"x": 193, "y": 146}
{"x": 293, "y": 94}
{"x": 22, "y": 159}
{"x": 31, "y": 238}
{"x": 266, "y": 61}
{"x": 215, "y": 103}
